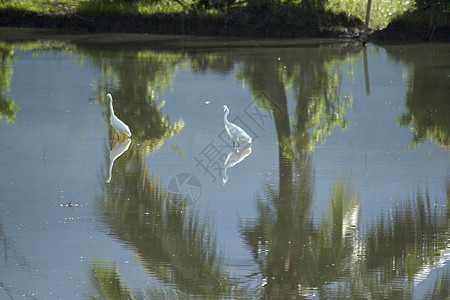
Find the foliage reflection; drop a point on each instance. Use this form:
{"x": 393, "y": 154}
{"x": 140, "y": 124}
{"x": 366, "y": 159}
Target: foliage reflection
{"x": 175, "y": 243}
{"x": 427, "y": 95}
{"x": 135, "y": 79}
{"x": 8, "y": 109}
{"x": 295, "y": 254}
{"x": 299, "y": 256}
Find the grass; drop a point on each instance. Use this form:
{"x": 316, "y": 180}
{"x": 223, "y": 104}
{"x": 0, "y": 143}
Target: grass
{"x": 285, "y": 15}
{"x": 91, "y": 7}
{"x": 41, "y": 6}
{"x": 437, "y": 15}
{"x": 381, "y": 12}
{"x": 94, "y": 7}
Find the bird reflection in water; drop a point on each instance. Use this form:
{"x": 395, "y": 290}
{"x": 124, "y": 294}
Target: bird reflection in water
{"x": 117, "y": 151}
{"x": 233, "y": 158}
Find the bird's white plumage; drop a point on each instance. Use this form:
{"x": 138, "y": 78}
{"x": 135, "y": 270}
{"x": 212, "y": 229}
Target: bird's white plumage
{"x": 116, "y": 123}
{"x": 235, "y": 132}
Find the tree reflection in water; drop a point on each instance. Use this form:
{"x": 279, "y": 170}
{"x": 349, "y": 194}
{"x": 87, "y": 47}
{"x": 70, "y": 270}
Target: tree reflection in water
{"x": 135, "y": 79}
{"x": 293, "y": 255}
{"x": 332, "y": 259}
{"x": 175, "y": 244}
{"x": 296, "y": 255}
{"x": 8, "y": 109}
{"x": 427, "y": 95}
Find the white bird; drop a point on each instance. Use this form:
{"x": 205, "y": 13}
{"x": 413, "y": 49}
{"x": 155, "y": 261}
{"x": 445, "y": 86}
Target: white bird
{"x": 234, "y": 131}
{"x": 116, "y": 123}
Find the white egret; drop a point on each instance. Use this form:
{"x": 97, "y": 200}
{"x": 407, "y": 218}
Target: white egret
{"x": 233, "y": 159}
{"x": 116, "y": 123}
{"x": 234, "y": 131}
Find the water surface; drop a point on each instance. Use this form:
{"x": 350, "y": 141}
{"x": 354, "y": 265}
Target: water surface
{"x": 342, "y": 194}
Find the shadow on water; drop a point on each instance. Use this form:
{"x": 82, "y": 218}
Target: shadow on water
{"x": 294, "y": 254}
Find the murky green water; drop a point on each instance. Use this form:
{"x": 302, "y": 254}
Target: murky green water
{"x": 344, "y": 192}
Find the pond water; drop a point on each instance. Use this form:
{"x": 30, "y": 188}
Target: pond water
{"x": 343, "y": 193}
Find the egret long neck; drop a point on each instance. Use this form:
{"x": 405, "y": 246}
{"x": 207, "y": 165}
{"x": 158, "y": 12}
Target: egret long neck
{"x": 225, "y": 116}
{"x": 111, "y": 106}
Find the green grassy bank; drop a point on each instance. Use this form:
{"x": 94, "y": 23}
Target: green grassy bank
{"x": 426, "y": 21}
{"x": 249, "y": 18}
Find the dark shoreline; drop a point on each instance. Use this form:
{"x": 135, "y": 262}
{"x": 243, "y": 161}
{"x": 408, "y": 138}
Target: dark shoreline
{"x": 332, "y": 26}
{"x": 399, "y": 32}
{"x": 236, "y": 25}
